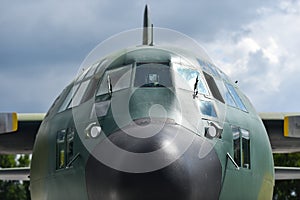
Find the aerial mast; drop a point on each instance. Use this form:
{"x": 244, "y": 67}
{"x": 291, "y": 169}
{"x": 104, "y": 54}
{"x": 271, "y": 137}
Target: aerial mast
{"x": 147, "y": 29}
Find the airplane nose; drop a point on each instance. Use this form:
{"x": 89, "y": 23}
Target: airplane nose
{"x": 167, "y": 175}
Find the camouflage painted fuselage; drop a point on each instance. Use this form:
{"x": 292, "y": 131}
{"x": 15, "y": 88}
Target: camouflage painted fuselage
{"x": 134, "y": 126}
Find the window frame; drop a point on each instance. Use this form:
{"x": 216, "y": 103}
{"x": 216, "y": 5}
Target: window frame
{"x": 212, "y": 112}
{"x": 213, "y": 87}
{"x": 201, "y": 79}
{"x": 65, "y": 152}
{"x": 102, "y": 86}
{"x": 139, "y": 65}
{"x": 246, "y": 155}
{"x": 236, "y": 140}
{"x": 79, "y": 94}
{"x": 231, "y": 91}
{"x": 60, "y": 149}
{"x": 241, "y": 143}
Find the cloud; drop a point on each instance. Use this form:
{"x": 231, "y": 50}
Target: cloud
{"x": 53, "y": 37}
{"x": 264, "y": 58}
{"x": 204, "y": 20}
{"x": 33, "y": 90}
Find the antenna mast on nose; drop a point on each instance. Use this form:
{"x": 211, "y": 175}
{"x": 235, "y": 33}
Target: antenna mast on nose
{"x": 147, "y": 29}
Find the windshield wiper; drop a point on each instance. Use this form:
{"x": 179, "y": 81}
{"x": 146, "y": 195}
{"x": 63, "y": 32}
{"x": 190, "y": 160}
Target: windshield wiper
{"x": 109, "y": 85}
{"x": 196, "y": 88}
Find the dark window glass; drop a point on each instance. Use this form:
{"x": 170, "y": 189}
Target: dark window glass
{"x": 64, "y": 147}
{"x": 246, "y": 148}
{"x": 152, "y": 75}
{"x": 60, "y": 149}
{"x": 236, "y": 145}
{"x": 213, "y": 87}
{"x": 241, "y": 147}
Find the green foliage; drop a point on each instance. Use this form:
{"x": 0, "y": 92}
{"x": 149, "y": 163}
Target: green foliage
{"x": 14, "y": 190}
{"x": 289, "y": 189}
{"x": 288, "y": 160}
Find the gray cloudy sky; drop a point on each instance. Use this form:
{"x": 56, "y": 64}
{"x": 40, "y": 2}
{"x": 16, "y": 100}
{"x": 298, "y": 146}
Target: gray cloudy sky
{"x": 42, "y": 44}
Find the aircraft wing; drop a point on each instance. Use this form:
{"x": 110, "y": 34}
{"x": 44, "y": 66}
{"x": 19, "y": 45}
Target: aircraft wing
{"x": 287, "y": 173}
{"x": 18, "y": 132}
{"x": 17, "y": 174}
{"x": 284, "y": 135}
{"x": 283, "y": 131}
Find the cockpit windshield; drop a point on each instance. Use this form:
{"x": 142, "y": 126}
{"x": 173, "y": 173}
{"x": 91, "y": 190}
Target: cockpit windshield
{"x": 152, "y": 75}
{"x": 186, "y": 78}
{"x": 115, "y": 80}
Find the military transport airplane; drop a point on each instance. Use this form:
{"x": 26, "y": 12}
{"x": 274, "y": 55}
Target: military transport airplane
{"x": 151, "y": 121}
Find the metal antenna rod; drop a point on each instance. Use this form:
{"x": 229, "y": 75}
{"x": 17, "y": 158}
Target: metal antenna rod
{"x": 147, "y": 29}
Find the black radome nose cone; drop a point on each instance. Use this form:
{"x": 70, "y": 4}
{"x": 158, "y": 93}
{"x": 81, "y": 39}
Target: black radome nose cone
{"x": 189, "y": 177}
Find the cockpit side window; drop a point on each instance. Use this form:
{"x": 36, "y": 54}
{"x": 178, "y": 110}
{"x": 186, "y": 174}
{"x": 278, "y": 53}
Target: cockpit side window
{"x": 88, "y": 72}
{"x": 68, "y": 98}
{"x": 92, "y": 70}
{"x": 229, "y": 100}
{"x": 233, "y": 99}
{"x": 152, "y": 75}
{"x": 213, "y": 87}
{"x": 74, "y": 96}
{"x": 79, "y": 94}
{"x": 117, "y": 79}
{"x": 208, "y": 67}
